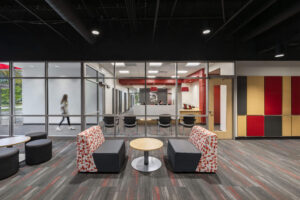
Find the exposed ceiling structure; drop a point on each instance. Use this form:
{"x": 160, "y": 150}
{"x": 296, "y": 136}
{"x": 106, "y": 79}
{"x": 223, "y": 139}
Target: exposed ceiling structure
{"x": 149, "y": 29}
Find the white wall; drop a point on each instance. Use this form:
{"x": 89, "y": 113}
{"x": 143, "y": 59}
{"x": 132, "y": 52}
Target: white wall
{"x": 226, "y": 68}
{"x": 192, "y": 96}
{"x": 268, "y": 68}
{"x": 223, "y": 107}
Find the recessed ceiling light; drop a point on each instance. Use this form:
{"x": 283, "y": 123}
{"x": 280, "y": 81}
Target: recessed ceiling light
{"x": 124, "y": 72}
{"x": 192, "y": 64}
{"x": 151, "y": 76}
{"x": 155, "y": 64}
{"x": 182, "y": 71}
{"x": 279, "y": 55}
{"x": 153, "y": 71}
{"x": 56, "y": 66}
{"x": 119, "y": 64}
{"x": 174, "y": 76}
{"x": 95, "y": 32}
{"x": 206, "y": 31}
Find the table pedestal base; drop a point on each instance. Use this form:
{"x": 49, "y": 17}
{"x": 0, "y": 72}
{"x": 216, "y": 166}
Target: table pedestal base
{"x": 21, "y": 157}
{"x": 139, "y": 164}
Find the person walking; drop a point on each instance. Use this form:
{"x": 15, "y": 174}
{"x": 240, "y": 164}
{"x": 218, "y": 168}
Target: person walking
{"x": 65, "y": 112}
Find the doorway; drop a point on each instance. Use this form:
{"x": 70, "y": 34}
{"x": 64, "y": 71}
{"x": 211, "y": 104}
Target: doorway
{"x": 220, "y": 107}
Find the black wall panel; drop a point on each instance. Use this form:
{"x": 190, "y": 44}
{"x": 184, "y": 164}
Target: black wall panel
{"x": 273, "y": 126}
{"x": 242, "y": 95}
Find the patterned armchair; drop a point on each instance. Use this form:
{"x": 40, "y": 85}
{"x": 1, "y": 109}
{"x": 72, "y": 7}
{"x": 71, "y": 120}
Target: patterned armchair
{"x": 87, "y": 142}
{"x": 206, "y": 142}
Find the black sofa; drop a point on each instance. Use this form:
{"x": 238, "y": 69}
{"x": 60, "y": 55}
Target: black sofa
{"x": 183, "y": 156}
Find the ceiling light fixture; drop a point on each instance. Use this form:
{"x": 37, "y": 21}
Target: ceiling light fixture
{"x": 279, "y": 55}
{"x": 192, "y": 64}
{"x": 182, "y": 71}
{"x": 151, "y": 76}
{"x": 119, "y": 64}
{"x": 206, "y": 31}
{"x": 95, "y": 32}
{"x": 155, "y": 64}
{"x": 153, "y": 71}
{"x": 174, "y": 76}
{"x": 124, "y": 72}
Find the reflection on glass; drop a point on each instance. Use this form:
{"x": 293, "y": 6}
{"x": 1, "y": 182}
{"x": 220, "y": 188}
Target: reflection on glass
{"x": 220, "y": 100}
{"x": 59, "y": 126}
{"x": 160, "y": 69}
{"x": 196, "y": 69}
{"x": 26, "y": 69}
{"x": 4, "y": 97}
{"x": 4, "y": 69}
{"x": 29, "y": 101}
{"x": 4, "y": 126}
{"x": 23, "y": 125}
{"x": 64, "y": 69}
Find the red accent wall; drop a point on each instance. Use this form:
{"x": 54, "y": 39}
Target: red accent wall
{"x": 255, "y": 125}
{"x": 273, "y": 95}
{"x": 217, "y": 104}
{"x": 202, "y": 94}
{"x": 295, "y": 95}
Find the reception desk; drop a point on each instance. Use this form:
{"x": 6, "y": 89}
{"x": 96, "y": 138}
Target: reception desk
{"x": 154, "y": 110}
{"x": 193, "y": 111}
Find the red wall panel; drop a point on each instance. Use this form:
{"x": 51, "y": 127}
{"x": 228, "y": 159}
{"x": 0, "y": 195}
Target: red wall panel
{"x": 296, "y": 95}
{"x": 217, "y": 104}
{"x": 273, "y": 95}
{"x": 255, "y": 125}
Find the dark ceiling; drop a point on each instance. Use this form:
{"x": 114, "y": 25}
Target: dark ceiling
{"x": 149, "y": 29}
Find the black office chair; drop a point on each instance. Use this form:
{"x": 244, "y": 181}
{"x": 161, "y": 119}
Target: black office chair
{"x": 111, "y": 121}
{"x": 164, "y": 121}
{"x": 187, "y": 122}
{"x": 130, "y": 122}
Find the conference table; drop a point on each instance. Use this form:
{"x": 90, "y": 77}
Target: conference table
{"x": 146, "y": 163}
{"x": 10, "y": 141}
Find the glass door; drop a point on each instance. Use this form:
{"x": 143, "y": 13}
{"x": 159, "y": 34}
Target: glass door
{"x": 220, "y": 107}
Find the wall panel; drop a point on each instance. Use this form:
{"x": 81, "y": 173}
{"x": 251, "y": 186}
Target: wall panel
{"x": 255, "y": 95}
{"x": 273, "y": 126}
{"x": 287, "y": 126}
{"x": 242, "y": 95}
{"x": 295, "y": 125}
{"x": 295, "y": 95}
{"x": 273, "y": 95}
{"x": 242, "y": 125}
{"x": 286, "y": 95}
{"x": 255, "y": 126}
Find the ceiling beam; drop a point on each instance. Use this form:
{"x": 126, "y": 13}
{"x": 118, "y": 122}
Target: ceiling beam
{"x": 273, "y": 21}
{"x": 230, "y": 19}
{"x": 155, "y": 19}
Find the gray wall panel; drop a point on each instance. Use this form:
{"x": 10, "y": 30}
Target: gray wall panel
{"x": 242, "y": 95}
{"x": 273, "y": 126}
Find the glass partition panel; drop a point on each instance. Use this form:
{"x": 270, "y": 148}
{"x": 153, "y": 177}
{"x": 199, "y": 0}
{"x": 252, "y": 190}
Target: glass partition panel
{"x": 29, "y": 101}
{"x": 192, "y": 69}
{"x": 28, "y": 69}
{"x": 186, "y": 121}
{"x": 24, "y": 125}
{"x": 160, "y": 69}
{"x": 221, "y": 68}
{"x": 220, "y": 106}
{"x": 4, "y": 69}
{"x": 4, "y": 125}
{"x": 60, "y": 126}
{"x": 64, "y": 96}
{"x": 91, "y": 104}
{"x": 64, "y": 69}
{"x": 4, "y": 97}
{"x": 91, "y": 121}
{"x": 130, "y": 69}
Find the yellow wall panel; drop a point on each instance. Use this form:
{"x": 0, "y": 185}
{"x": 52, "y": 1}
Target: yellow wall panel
{"x": 242, "y": 126}
{"x": 255, "y": 95}
{"x": 286, "y": 95}
{"x": 296, "y": 125}
{"x": 286, "y": 126}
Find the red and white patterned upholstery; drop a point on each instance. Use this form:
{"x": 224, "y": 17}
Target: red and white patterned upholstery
{"x": 206, "y": 142}
{"x": 87, "y": 142}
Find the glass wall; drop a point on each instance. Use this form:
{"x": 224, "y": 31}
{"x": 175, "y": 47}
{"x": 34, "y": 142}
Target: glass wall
{"x": 132, "y": 99}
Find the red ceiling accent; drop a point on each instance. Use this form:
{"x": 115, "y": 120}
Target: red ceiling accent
{"x": 5, "y": 66}
{"x": 184, "y": 89}
{"x": 153, "y": 89}
{"x": 149, "y": 81}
